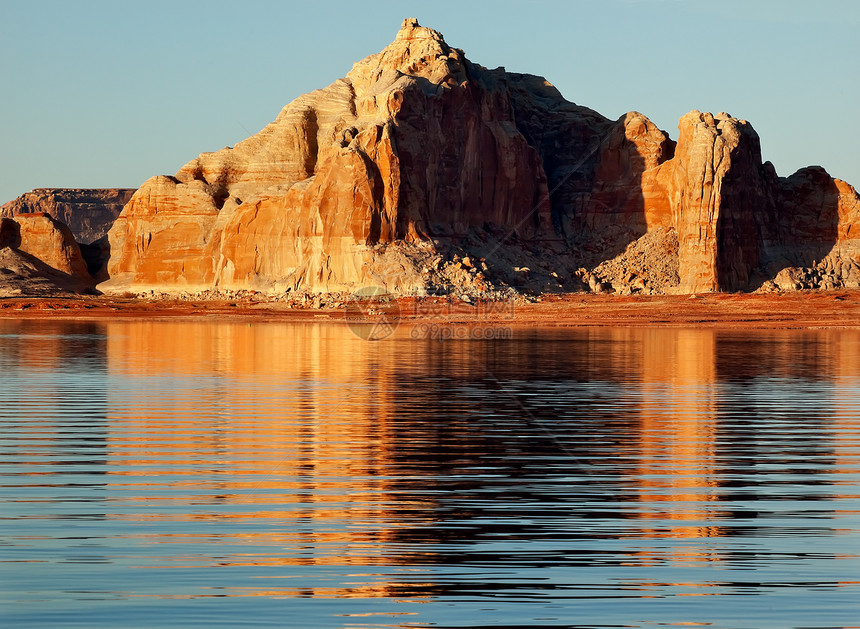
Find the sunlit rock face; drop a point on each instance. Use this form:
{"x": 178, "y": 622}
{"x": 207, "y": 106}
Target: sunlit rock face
{"x": 39, "y": 256}
{"x": 368, "y": 180}
{"x": 416, "y": 142}
{"x": 50, "y": 241}
{"x": 712, "y": 185}
{"x": 738, "y": 224}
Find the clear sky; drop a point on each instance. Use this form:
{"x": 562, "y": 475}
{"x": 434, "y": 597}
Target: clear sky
{"x": 104, "y": 94}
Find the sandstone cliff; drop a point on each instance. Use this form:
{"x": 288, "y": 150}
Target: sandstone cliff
{"x": 89, "y": 213}
{"x": 415, "y": 143}
{"x": 419, "y": 161}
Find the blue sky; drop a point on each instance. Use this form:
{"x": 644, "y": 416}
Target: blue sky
{"x": 101, "y": 94}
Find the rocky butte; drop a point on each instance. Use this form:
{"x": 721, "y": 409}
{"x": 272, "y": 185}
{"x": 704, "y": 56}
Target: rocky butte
{"x": 39, "y": 255}
{"x": 421, "y": 170}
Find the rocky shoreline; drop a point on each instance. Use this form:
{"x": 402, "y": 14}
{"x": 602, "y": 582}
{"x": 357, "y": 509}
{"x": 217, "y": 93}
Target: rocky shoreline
{"x": 797, "y": 310}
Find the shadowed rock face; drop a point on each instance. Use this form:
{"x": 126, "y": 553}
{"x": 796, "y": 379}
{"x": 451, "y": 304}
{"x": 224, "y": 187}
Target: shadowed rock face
{"x": 812, "y": 237}
{"x": 418, "y": 149}
{"x": 89, "y": 213}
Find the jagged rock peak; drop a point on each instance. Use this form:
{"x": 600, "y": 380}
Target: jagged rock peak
{"x": 416, "y": 51}
{"x": 411, "y": 29}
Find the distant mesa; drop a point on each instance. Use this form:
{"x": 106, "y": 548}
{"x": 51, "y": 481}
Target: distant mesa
{"x": 54, "y": 240}
{"x": 421, "y": 171}
{"x": 89, "y": 213}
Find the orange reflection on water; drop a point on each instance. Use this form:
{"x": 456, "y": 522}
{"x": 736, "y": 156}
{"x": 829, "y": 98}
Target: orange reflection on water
{"x": 677, "y": 437}
{"x": 285, "y": 440}
{"x": 307, "y": 451}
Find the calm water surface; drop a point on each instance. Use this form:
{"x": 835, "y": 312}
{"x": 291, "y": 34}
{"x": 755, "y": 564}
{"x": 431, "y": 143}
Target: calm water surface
{"x": 226, "y": 474}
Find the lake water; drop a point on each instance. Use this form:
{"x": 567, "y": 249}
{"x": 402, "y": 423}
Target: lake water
{"x": 227, "y": 474}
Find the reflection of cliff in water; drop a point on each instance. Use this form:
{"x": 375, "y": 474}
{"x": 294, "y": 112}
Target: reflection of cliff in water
{"x": 344, "y": 452}
{"x": 566, "y": 427}
{"x": 281, "y": 448}
{"x": 55, "y": 416}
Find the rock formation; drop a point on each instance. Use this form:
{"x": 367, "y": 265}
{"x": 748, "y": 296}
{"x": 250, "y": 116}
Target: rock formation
{"x": 49, "y": 240}
{"x": 89, "y": 213}
{"x": 415, "y": 143}
{"x": 419, "y": 160}
{"x": 38, "y": 254}
{"x": 712, "y": 183}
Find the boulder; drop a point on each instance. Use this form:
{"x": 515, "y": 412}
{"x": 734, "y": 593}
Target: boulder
{"x": 50, "y": 241}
